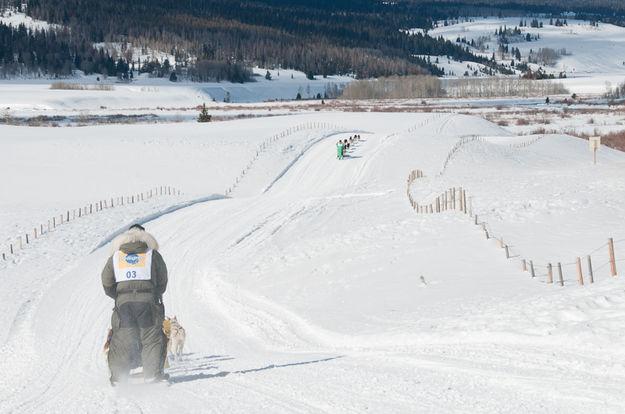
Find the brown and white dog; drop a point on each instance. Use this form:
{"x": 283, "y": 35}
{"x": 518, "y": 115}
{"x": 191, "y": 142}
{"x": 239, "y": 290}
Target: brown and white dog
{"x": 109, "y": 336}
{"x": 176, "y": 339}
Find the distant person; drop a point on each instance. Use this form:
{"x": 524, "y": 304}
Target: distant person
{"x": 339, "y": 150}
{"x": 135, "y": 276}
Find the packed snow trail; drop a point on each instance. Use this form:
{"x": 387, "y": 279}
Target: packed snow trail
{"x": 308, "y": 298}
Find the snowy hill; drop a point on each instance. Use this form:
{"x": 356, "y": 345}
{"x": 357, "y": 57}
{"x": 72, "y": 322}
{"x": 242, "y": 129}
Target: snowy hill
{"x": 14, "y": 18}
{"x": 314, "y": 286}
{"x": 29, "y": 98}
{"x": 594, "y": 54}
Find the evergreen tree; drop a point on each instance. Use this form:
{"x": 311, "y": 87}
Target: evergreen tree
{"x": 204, "y": 115}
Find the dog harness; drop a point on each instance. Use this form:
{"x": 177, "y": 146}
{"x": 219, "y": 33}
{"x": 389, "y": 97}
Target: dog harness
{"x": 133, "y": 266}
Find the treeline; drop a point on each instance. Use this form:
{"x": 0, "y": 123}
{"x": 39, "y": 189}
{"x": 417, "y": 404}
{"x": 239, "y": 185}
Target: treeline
{"x": 406, "y": 87}
{"x": 362, "y": 37}
{"x": 418, "y": 87}
{"x": 367, "y": 38}
{"x": 466, "y": 8}
{"x": 39, "y": 52}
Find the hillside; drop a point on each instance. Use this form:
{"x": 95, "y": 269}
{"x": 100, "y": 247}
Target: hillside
{"x": 360, "y": 38}
{"x": 314, "y": 286}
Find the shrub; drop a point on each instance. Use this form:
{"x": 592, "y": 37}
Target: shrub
{"x": 204, "y": 115}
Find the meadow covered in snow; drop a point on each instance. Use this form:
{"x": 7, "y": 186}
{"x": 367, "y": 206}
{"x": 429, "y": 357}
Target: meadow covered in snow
{"x": 309, "y": 284}
{"x": 314, "y": 286}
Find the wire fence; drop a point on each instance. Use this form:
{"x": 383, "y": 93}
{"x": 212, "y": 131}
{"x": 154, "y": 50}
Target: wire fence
{"x": 23, "y": 240}
{"x": 274, "y": 138}
{"x": 478, "y": 138}
{"x": 457, "y": 199}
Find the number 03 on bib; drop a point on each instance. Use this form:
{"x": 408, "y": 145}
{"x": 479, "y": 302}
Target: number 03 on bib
{"x": 136, "y": 266}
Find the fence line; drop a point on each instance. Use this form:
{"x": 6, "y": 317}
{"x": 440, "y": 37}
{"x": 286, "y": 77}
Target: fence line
{"x": 274, "y": 138}
{"x": 98, "y": 206}
{"x": 425, "y": 122}
{"x": 456, "y": 199}
{"x": 478, "y": 138}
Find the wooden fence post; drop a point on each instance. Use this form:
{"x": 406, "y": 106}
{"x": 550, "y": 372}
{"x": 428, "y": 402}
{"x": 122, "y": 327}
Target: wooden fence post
{"x": 532, "y": 268}
{"x": 549, "y": 273}
{"x": 460, "y": 199}
{"x": 590, "y": 275}
{"x": 524, "y": 266}
{"x": 54, "y": 222}
{"x": 471, "y": 206}
{"x": 20, "y": 240}
{"x": 453, "y": 198}
{"x": 26, "y": 238}
{"x": 61, "y": 217}
{"x": 48, "y": 226}
{"x": 507, "y": 252}
{"x": 35, "y": 232}
{"x": 560, "y": 274}
{"x": 501, "y": 242}
{"x": 11, "y": 248}
{"x": 612, "y": 259}
{"x": 579, "y": 271}
{"x": 3, "y": 256}
{"x": 464, "y": 200}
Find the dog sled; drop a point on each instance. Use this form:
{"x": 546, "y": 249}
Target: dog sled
{"x": 175, "y": 334}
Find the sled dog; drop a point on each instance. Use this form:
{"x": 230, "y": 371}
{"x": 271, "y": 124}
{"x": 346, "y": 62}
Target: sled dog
{"x": 109, "y": 336}
{"x": 177, "y": 339}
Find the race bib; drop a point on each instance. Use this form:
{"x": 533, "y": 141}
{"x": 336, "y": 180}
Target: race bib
{"x": 134, "y": 266}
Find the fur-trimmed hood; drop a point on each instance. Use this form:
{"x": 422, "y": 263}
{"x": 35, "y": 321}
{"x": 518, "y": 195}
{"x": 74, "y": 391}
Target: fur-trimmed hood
{"x": 133, "y": 236}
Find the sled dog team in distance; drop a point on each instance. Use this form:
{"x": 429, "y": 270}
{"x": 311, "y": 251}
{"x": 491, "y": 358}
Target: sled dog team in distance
{"x": 343, "y": 145}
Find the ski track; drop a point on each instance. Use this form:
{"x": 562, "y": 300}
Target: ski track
{"x": 248, "y": 352}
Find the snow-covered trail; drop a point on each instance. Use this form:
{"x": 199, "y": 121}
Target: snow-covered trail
{"x": 307, "y": 297}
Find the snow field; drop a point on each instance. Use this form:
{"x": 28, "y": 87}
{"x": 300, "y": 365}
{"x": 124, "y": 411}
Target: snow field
{"x": 592, "y": 58}
{"x": 302, "y": 292}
